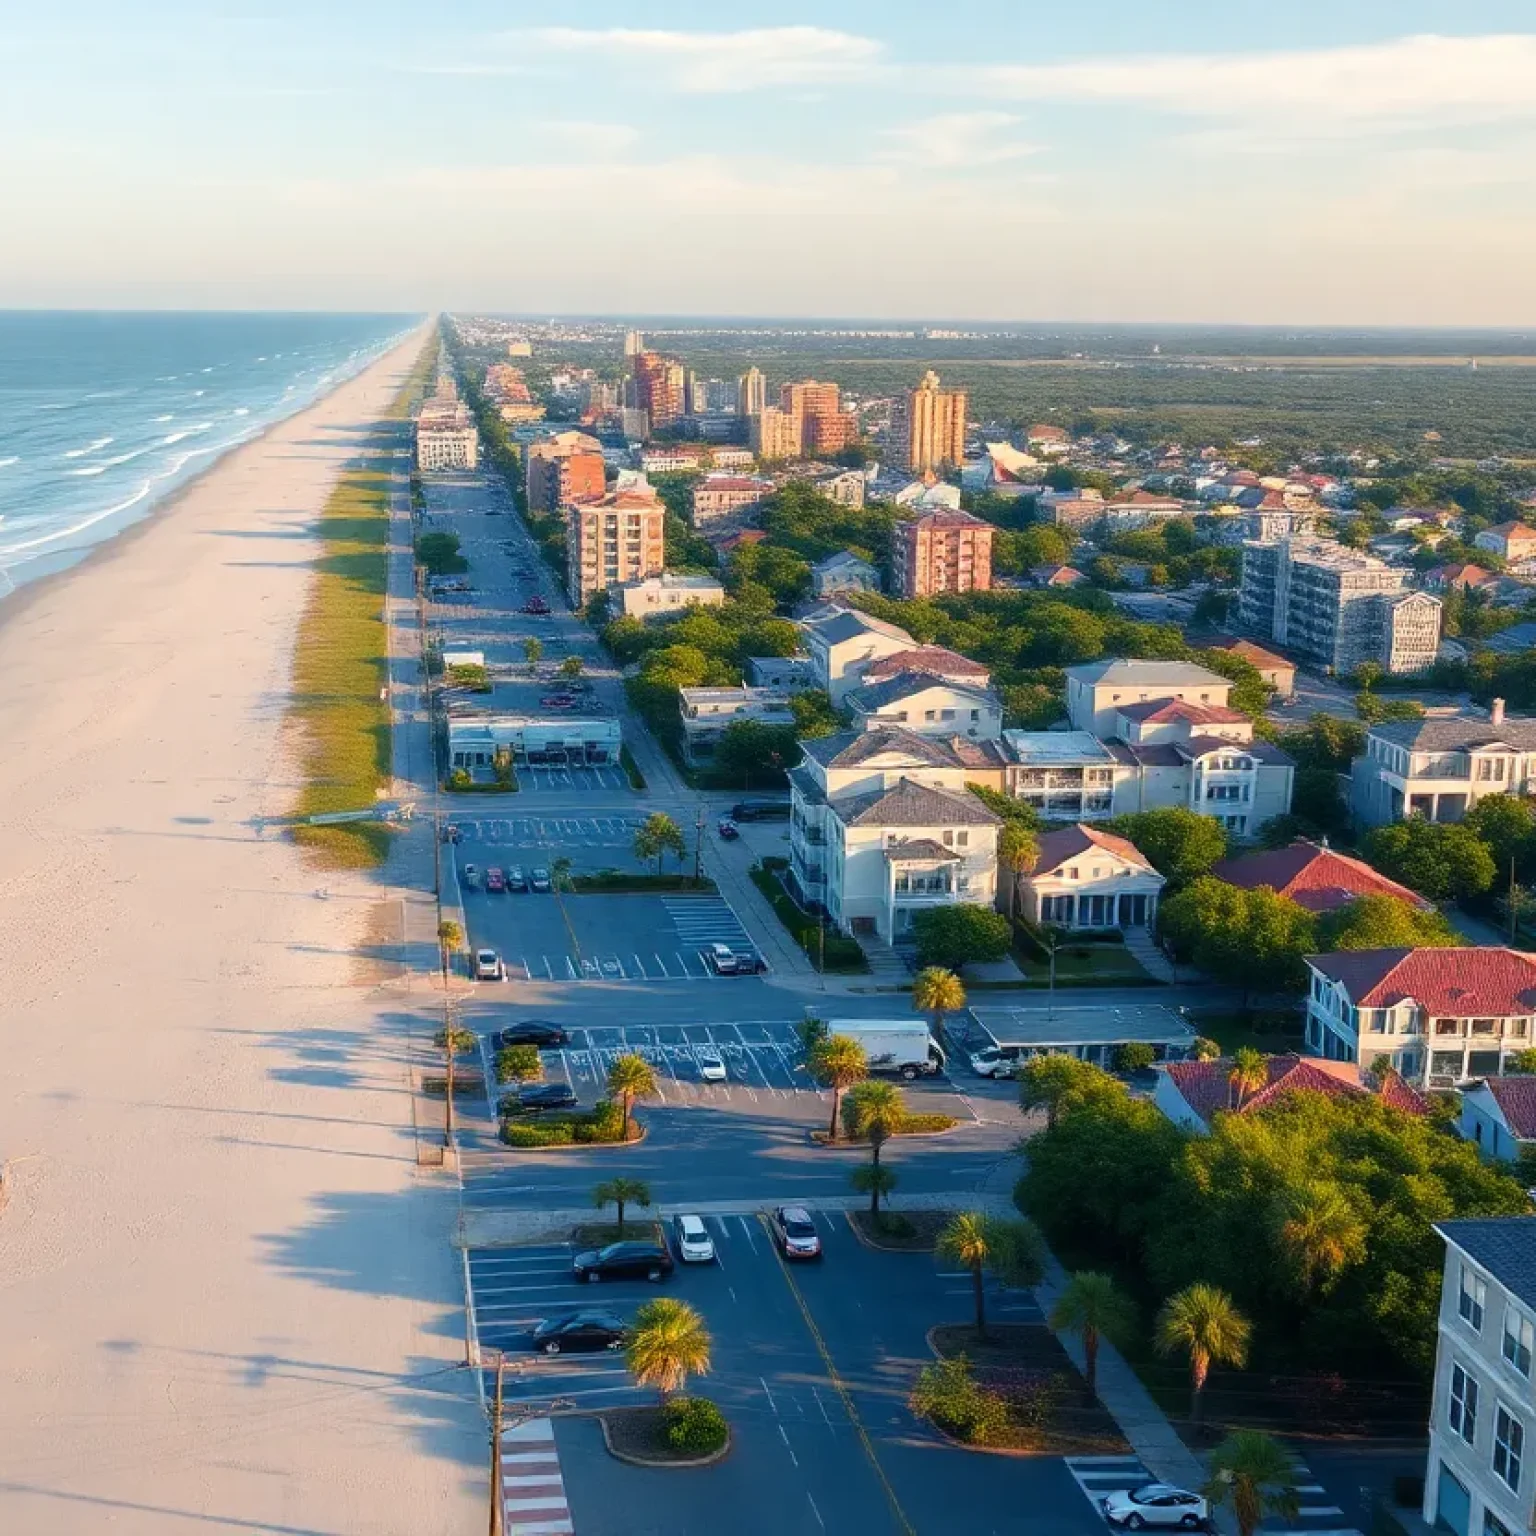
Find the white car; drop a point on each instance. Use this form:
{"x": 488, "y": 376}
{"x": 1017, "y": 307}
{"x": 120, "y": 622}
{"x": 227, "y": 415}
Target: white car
{"x": 488, "y": 966}
{"x": 993, "y": 1063}
{"x": 711, "y": 1064}
{"x": 1159, "y": 1504}
{"x": 721, "y": 959}
{"x": 694, "y": 1245}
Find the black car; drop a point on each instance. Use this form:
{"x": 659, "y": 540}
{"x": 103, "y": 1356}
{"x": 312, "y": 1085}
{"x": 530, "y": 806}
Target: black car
{"x": 533, "y": 1032}
{"x": 578, "y": 1330}
{"x": 623, "y": 1261}
{"x": 536, "y": 1096}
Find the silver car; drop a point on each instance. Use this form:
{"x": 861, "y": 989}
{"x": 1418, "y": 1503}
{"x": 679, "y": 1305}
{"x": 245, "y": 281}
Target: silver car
{"x": 1155, "y": 1504}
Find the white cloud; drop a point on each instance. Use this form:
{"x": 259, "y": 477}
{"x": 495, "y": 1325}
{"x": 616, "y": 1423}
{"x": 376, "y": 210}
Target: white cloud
{"x": 956, "y": 140}
{"x": 591, "y": 140}
{"x": 1409, "y": 79}
{"x": 729, "y": 61}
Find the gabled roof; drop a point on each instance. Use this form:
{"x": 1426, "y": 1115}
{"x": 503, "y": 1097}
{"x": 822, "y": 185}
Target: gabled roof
{"x": 1207, "y": 1085}
{"x": 933, "y": 659}
{"x": 920, "y": 850}
{"x": 1261, "y": 751}
{"x": 1166, "y": 711}
{"x": 1129, "y": 673}
{"x": 1512, "y": 530}
{"x": 1262, "y": 659}
{"x": 1057, "y": 848}
{"x": 906, "y": 685}
{"x": 841, "y": 558}
{"x": 1516, "y": 1098}
{"x": 850, "y": 749}
{"x": 1503, "y": 1245}
{"x": 849, "y": 623}
{"x": 911, "y": 804}
{"x": 1459, "y": 733}
{"x": 1460, "y": 983}
{"x": 1313, "y": 876}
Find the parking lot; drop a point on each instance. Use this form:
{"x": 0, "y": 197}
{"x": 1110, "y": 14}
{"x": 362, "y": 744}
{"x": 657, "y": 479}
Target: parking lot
{"x": 597, "y": 937}
{"x": 813, "y": 1381}
{"x": 482, "y": 837}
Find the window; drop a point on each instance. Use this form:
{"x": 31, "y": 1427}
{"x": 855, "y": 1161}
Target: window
{"x": 1517, "y": 1337}
{"x": 1474, "y": 1293}
{"x": 1508, "y": 1446}
{"x": 1493, "y": 1526}
{"x": 1463, "y": 1406}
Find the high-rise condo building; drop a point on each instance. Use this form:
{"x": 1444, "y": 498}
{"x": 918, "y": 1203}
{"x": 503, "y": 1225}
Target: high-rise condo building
{"x": 1337, "y": 606}
{"x": 564, "y": 468}
{"x": 928, "y": 427}
{"x": 659, "y": 388}
{"x": 614, "y": 538}
{"x": 942, "y": 552}
{"x": 774, "y": 434}
{"x": 751, "y": 392}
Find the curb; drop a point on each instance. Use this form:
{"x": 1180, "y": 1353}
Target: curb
{"x": 644, "y": 1461}
{"x": 847, "y": 1143}
{"x": 874, "y": 1247}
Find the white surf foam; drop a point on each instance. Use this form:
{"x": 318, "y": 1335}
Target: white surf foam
{"x": 96, "y": 447}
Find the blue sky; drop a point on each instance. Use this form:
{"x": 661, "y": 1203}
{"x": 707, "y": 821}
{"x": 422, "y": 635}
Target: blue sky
{"x": 1350, "y": 162}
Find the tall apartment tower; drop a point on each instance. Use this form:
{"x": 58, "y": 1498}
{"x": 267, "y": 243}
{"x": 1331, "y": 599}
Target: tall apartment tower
{"x": 659, "y": 388}
{"x": 942, "y": 552}
{"x": 1336, "y": 606}
{"x": 774, "y": 434}
{"x": 928, "y": 427}
{"x": 614, "y": 537}
{"x": 634, "y": 343}
{"x": 751, "y": 392}
{"x": 564, "y": 468}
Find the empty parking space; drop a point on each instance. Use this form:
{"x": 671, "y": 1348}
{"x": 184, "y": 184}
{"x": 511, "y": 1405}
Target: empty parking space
{"x": 479, "y": 835}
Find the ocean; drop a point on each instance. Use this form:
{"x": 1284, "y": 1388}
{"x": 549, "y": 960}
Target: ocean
{"x": 103, "y": 415}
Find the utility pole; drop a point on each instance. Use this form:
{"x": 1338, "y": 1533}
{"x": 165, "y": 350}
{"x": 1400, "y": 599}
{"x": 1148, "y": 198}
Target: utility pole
{"x": 1051, "y": 943}
{"x": 1513, "y": 907}
{"x": 449, "y": 1030}
{"x": 698, "y": 844}
{"x": 496, "y": 1423}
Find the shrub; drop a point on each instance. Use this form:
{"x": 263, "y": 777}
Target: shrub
{"x": 694, "y": 1426}
{"x": 1134, "y": 1056}
{"x": 893, "y": 1224}
{"x": 915, "y": 1125}
{"x": 460, "y": 778}
{"x": 537, "y": 1133}
{"x": 949, "y": 1395}
{"x": 519, "y": 1064}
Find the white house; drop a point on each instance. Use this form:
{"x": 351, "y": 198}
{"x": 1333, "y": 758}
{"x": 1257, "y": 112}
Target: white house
{"x": 652, "y": 596}
{"x": 1085, "y": 878}
{"x": 841, "y": 640}
{"x": 1097, "y": 690}
{"x": 928, "y": 705}
{"x": 1498, "y": 1115}
{"x": 843, "y": 572}
{"x": 1480, "y": 1475}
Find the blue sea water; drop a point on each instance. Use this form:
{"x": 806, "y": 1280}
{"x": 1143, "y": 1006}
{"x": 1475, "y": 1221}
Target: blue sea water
{"x": 102, "y": 415}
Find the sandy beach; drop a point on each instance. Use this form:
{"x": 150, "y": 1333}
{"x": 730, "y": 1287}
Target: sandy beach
{"x": 227, "y": 1299}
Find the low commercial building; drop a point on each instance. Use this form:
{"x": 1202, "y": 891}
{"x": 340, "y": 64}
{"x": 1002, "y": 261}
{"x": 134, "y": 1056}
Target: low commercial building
{"x": 671, "y": 461}
{"x": 1088, "y": 879}
{"x": 928, "y": 705}
{"x": 708, "y": 712}
{"x": 1480, "y": 1473}
{"x": 654, "y": 596}
{"x": 1092, "y": 1033}
{"x": 718, "y": 499}
{"x": 1441, "y": 766}
{"x": 1437, "y": 1016}
{"x": 843, "y": 572}
{"x": 476, "y": 740}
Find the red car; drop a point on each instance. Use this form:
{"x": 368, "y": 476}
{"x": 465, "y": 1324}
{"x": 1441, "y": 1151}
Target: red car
{"x": 495, "y": 879}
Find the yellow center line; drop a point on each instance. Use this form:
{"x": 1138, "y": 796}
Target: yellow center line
{"x": 565, "y": 917}
{"x": 838, "y": 1383}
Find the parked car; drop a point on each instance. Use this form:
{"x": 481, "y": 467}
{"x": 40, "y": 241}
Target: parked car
{"x": 795, "y": 1233}
{"x": 578, "y": 1330}
{"x": 720, "y": 959}
{"x": 533, "y": 1097}
{"x": 516, "y": 879}
{"x": 558, "y": 701}
{"x": 727, "y": 829}
{"x": 539, "y": 1032}
{"x": 1155, "y": 1504}
{"x": 694, "y": 1244}
{"x": 536, "y": 604}
{"x": 495, "y": 879}
{"x": 749, "y": 962}
{"x": 488, "y": 966}
{"x": 540, "y": 880}
{"x": 711, "y": 1064}
{"x": 991, "y": 1062}
{"x": 623, "y": 1261}
{"x": 471, "y": 877}
{"x": 451, "y": 833}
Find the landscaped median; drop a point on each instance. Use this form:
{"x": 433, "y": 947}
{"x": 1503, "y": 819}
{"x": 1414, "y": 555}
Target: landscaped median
{"x": 609, "y": 1122}
{"x": 685, "y": 1432}
{"x": 906, "y": 1125}
{"x": 828, "y": 952}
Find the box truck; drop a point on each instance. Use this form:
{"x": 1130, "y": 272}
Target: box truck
{"x": 903, "y": 1046}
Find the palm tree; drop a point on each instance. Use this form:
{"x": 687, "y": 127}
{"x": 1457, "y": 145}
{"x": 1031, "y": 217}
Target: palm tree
{"x": 1018, "y": 850}
{"x": 1203, "y": 1322}
{"x": 1323, "y": 1235}
{"x": 838, "y": 1062}
{"x": 1250, "y": 1072}
{"x": 977, "y": 1242}
{"x": 450, "y": 940}
{"x": 938, "y": 992}
{"x": 875, "y": 1110}
{"x": 631, "y": 1077}
{"x": 1092, "y": 1305}
{"x": 875, "y": 1181}
{"x": 621, "y": 1192}
{"x": 668, "y": 1343}
{"x": 1256, "y": 1476}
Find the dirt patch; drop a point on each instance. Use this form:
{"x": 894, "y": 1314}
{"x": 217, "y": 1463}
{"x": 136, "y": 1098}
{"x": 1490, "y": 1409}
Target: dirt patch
{"x": 899, "y": 1231}
{"x": 638, "y": 1435}
{"x": 1026, "y": 1365}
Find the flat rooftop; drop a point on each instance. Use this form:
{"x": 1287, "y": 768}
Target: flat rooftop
{"x": 1077, "y": 1024}
{"x": 1045, "y": 749}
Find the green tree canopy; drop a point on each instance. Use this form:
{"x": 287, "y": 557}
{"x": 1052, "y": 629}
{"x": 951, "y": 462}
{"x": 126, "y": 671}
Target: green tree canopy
{"x": 1384, "y": 922}
{"x": 1181, "y": 844}
{"x": 950, "y": 937}
{"x": 1507, "y": 824}
{"x": 1444, "y": 861}
{"x": 1254, "y": 939}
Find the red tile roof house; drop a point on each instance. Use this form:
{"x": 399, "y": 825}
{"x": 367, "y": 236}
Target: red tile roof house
{"x": 1192, "y": 1093}
{"x": 1499, "y": 1115}
{"x": 1439, "y": 1016}
{"x": 1313, "y": 876}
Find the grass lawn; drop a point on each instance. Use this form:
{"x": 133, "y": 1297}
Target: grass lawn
{"x": 1085, "y": 965}
{"x": 340, "y": 663}
{"x": 1270, "y": 1033}
{"x": 1021, "y": 1361}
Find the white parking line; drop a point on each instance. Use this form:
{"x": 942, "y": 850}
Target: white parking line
{"x": 746, "y": 1232}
